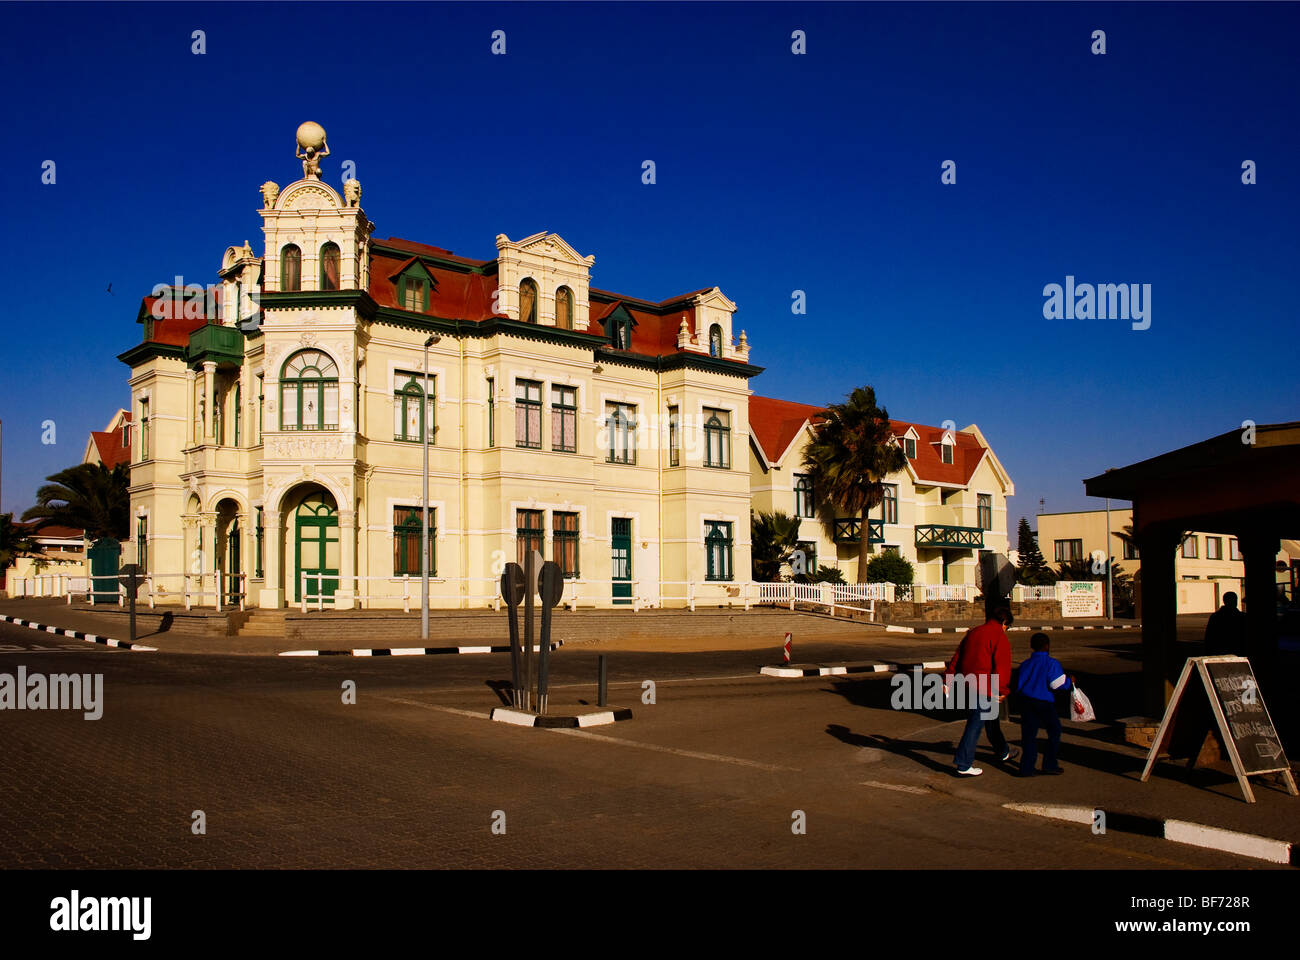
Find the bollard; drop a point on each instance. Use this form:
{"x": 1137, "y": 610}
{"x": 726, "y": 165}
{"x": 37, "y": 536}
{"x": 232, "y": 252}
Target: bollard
{"x": 602, "y": 684}
{"x": 786, "y": 648}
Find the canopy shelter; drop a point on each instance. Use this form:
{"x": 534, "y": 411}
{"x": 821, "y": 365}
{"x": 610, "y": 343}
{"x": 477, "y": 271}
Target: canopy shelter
{"x": 1244, "y": 483}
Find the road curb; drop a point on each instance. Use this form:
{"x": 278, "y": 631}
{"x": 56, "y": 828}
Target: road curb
{"x": 825, "y": 669}
{"x": 520, "y": 718}
{"x": 1044, "y": 627}
{"x": 1179, "y": 831}
{"x": 407, "y": 651}
{"x": 77, "y": 634}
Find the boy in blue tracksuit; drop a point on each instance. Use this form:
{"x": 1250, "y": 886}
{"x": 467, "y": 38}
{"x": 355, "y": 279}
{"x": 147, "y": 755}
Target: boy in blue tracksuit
{"x": 1039, "y": 679}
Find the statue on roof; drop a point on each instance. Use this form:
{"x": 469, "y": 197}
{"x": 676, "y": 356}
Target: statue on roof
{"x": 311, "y": 148}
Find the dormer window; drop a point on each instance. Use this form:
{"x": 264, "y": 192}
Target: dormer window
{"x": 290, "y": 268}
{"x": 527, "y": 300}
{"x": 715, "y": 341}
{"x": 329, "y": 266}
{"x": 564, "y": 308}
{"x": 415, "y": 294}
{"x": 945, "y": 452}
{"x": 909, "y": 447}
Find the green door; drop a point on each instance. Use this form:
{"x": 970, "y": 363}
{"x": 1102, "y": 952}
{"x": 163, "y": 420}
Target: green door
{"x": 234, "y": 582}
{"x": 316, "y": 547}
{"x": 620, "y": 537}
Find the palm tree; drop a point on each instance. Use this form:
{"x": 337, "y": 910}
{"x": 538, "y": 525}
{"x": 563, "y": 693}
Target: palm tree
{"x": 87, "y": 497}
{"x": 773, "y": 539}
{"x": 14, "y": 541}
{"x": 852, "y": 452}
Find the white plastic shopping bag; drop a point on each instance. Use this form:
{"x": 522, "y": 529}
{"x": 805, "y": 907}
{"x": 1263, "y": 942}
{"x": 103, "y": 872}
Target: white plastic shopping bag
{"x": 1080, "y": 706}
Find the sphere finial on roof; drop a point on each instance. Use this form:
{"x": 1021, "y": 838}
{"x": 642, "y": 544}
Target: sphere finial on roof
{"x": 311, "y": 147}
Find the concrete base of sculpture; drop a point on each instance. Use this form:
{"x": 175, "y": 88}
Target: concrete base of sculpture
{"x": 527, "y": 718}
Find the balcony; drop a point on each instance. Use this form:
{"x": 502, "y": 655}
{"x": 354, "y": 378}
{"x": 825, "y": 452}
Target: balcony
{"x": 850, "y": 531}
{"x": 215, "y": 343}
{"x": 944, "y": 536}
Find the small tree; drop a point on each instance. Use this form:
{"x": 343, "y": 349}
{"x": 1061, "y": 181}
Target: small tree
{"x": 824, "y": 574}
{"x": 773, "y": 538}
{"x": 889, "y": 567}
{"x": 1033, "y": 570}
{"x": 14, "y": 541}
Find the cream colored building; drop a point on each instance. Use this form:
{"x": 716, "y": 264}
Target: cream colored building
{"x": 945, "y": 508}
{"x": 1207, "y": 564}
{"x": 279, "y": 418}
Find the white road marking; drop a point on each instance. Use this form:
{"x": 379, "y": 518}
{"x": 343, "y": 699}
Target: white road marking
{"x": 692, "y": 754}
{"x": 900, "y": 787}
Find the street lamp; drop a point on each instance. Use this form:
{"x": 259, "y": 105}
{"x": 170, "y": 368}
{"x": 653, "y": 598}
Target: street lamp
{"x": 424, "y": 526}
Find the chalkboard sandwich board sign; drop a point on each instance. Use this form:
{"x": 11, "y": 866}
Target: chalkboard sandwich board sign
{"x": 1232, "y": 696}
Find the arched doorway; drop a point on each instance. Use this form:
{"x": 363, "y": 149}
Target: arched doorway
{"x": 228, "y": 552}
{"x": 315, "y": 532}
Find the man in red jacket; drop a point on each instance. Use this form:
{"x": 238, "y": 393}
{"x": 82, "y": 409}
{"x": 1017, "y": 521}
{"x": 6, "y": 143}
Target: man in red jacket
{"x": 983, "y": 661}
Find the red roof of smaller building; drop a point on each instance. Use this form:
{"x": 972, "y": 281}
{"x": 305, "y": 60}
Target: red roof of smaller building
{"x": 108, "y": 443}
{"x": 775, "y": 424}
{"x": 54, "y": 532}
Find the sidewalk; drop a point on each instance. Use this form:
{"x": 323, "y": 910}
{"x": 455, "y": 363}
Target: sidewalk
{"x": 1028, "y": 623}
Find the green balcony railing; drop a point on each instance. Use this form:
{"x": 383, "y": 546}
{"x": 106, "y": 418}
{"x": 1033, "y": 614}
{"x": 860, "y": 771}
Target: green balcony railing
{"x": 216, "y": 343}
{"x": 943, "y": 535}
{"x": 850, "y": 530}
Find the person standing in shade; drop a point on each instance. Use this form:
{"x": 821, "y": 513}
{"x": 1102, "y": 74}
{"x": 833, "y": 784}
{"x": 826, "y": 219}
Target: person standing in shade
{"x": 1039, "y": 680}
{"x": 984, "y": 656}
{"x": 1225, "y": 634}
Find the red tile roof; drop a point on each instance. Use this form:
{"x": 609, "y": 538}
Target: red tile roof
{"x": 467, "y": 295}
{"x": 56, "y": 532}
{"x": 775, "y": 423}
{"x": 929, "y": 466}
{"x": 109, "y": 445}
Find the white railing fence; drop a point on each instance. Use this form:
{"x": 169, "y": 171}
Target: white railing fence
{"x": 317, "y": 591}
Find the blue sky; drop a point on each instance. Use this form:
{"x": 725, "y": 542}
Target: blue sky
{"x": 775, "y": 173}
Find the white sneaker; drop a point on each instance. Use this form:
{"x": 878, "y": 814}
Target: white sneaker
{"x": 970, "y": 772}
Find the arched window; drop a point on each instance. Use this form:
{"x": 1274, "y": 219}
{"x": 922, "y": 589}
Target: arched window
{"x": 408, "y": 423}
{"x": 527, "y": 300}
{"x": 329, "y": 266}
{"x": 309, "y": 392}
{"x": 564, "y": 308}
{"x": 290, "y": 268}
{"x": 715, "y": 341}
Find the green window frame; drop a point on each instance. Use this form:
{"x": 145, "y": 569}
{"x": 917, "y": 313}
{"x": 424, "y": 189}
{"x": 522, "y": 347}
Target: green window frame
{"x": 259, "y": 531}
{"x": 718, "y": 550}
{"x": 409, "y": 414}
{"x": 290, "y": 268}
{"x": 564, "y": 419}
{"x": 674, "y": 437}
{"x": 1213, "y": 548}
{"x": 144, "y": 428}
{"x": 528, "y": 414}
{"x": 804, "y": 503}
{"x": 218, "y": 414}
{"x": 261, "y": 403}
{"x": 1190, "y": 547}
{"x": 620, "y": 421}
{"x": 309, "y": 392}
{"x": 1234, "y": 549}
{"x": 406, "y": 541}
{"x": 239, "y": 410}
{"x": 529, "y": 533}
{"x": 142, "y": 543}
{"x": 889, "y": 504}
{"x": 564, "y": 546}
{"x": 717, "y": 439}
{"x": 413, "y": 292}
{"x": 984, "y": 511}
{"x": 809, "y": 550}
{"x": 491, "y": 411}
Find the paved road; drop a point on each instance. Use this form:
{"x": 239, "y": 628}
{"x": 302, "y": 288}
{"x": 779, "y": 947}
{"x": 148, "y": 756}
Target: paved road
{"x": 413, "y": 774}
